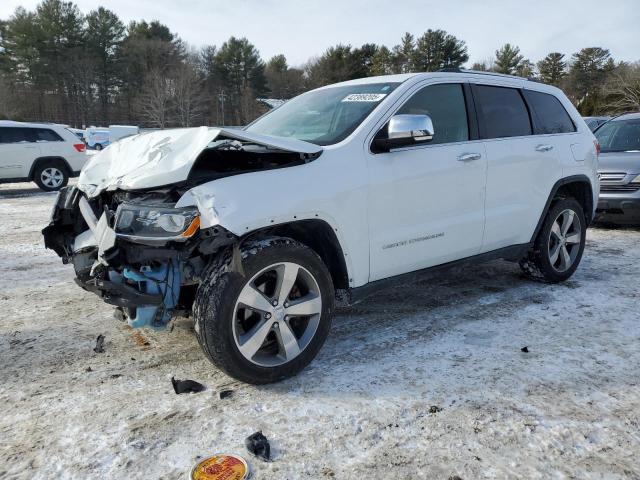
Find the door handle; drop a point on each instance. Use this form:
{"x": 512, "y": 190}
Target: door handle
{"x": 544, "y": 148}
{"x": 467, "y": 157}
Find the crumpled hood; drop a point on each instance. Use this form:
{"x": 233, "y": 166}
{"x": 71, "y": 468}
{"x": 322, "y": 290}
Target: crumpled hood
{"x": 164, "y": 157}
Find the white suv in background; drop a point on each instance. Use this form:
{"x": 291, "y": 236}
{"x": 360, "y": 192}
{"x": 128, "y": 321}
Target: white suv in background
{"x": 347, "y": 188}
{"x": 47, "y": 154}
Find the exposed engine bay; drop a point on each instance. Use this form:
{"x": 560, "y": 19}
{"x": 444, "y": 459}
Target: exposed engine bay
{"x": 149, "y": 276}
{"x": 136, "y": 249}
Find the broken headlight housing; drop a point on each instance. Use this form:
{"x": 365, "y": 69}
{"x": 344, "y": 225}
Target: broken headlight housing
{"x": 156, "y": 223}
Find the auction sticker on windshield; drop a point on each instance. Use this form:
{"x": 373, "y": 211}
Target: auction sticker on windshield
{"x": 221, "y": 467}
{"x": 364, "y": 97}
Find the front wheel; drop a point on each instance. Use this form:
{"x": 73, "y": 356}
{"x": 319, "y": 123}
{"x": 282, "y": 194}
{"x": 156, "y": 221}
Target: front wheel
{"x": 268, "y": 320}
{"x": 559, "y": 246}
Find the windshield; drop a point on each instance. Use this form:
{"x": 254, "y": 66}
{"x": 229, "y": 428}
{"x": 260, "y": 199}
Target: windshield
{"x": 619, "y": 136}
{"x": 323, "y": 117}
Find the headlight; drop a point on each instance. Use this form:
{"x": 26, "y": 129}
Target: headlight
{"x": 161, "y": 223}
{"x": 636, "y": 180}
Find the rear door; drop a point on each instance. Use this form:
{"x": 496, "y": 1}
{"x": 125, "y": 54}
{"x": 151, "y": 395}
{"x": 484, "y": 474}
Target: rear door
{"x": 18, "y": 150}
{"x": 522, "y": 167}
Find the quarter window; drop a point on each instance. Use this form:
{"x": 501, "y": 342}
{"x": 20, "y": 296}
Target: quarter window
{"x": 550, "y": 115}
{"x": 444, "y": 103}
{"x": 46, "y": 135}
{"x": 503, "y": 112}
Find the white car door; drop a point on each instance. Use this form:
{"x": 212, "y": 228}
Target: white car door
{"x": 17, "y": 152}
{"x": 522, "y": 167}
{"x": 426, "y": 202}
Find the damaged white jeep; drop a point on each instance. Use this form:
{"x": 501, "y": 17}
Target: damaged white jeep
{"x": 340, "y": 191}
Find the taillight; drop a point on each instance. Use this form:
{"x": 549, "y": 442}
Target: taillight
{"x": 597, "y": 145}
{"x": 80, "y": 147}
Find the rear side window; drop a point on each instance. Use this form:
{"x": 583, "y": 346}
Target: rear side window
{"x": 46, "y": 135}
{"x": 16, "y": 135}
{"x": 503, "y": 112}
{"x": 549, "y": 114}
{"x": 444, "y": 103}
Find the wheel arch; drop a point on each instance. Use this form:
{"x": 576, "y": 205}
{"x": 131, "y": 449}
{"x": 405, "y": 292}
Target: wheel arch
{"x": 40, "y": 160}
{"x": 318, "y": 235}
{"x": 576, "y": 186}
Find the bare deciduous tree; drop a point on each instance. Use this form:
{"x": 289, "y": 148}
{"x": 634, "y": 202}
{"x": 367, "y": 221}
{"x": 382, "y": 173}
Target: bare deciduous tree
{"x": 154, "y": 102}
{"x": 189, "y": 98}
{"x": 622, "y": 89}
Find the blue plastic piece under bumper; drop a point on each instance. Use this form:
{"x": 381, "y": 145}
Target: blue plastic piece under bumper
{"x": 163, "y": 280}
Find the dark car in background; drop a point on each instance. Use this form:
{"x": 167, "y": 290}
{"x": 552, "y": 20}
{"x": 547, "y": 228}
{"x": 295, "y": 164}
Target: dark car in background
{"x": 619, "y": 170}
{"x": 594, "y": 122}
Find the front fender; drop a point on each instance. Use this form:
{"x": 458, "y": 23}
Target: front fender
{"x": 251, "y": 202}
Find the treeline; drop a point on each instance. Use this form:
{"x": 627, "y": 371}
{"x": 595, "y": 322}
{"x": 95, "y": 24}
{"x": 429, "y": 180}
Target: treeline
{"x": 58, "y": 64}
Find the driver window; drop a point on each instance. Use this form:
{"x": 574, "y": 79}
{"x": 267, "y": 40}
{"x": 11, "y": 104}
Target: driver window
{"x": 444, "y": 103}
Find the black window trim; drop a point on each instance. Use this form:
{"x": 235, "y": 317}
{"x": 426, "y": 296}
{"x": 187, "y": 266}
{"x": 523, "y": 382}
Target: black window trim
{"x": 536, "y": 122}
{"x": 482, "y": 133}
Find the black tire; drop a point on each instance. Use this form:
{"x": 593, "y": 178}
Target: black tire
{"x": 538, "y": 264}
{"x": 98, "y": 146}
{"x": 44, "y": 180}
{"x": 218, "y": 293}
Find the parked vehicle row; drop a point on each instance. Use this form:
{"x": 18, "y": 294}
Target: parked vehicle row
{"x": 44, "y": 153}
{"x": 49, "y": 154}
{"x": 339, "y": 192}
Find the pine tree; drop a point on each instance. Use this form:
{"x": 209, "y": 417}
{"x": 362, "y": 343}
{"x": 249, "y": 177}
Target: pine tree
{"x": 507, "y": 59}
{"x": 552, "y": 68}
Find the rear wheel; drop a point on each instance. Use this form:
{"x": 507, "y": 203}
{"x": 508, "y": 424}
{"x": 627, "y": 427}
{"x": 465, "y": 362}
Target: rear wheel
{"x": 51, "y": 176}
{"x": 559, "y": 246}
{"x": 268, "y": 322}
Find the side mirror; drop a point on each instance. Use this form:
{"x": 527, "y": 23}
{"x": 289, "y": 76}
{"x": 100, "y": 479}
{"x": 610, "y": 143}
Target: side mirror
{"x": 403, "y": 130}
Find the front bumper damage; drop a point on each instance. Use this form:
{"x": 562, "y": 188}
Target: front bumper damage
{"x": 149, "y": 282}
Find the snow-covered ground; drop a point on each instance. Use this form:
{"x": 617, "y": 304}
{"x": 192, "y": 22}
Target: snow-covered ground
{"x": 570, "y": 408}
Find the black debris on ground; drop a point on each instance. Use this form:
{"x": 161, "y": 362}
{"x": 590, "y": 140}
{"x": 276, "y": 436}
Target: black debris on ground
{"x": 434, "y": 409}
{"x": 258, "y": 445}
{"x": 99, "y": 348}
{"x": 186, "y": 386}
{"x": 525, "y": 349}
{"x": 116, "y": 375}
{"x": 225, "y": 394}
{"x": 88, "y": 369}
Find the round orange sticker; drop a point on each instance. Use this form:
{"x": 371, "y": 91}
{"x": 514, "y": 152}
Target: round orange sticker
{"x": 221, "y": 467}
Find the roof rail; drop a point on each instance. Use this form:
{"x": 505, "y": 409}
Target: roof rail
{"x": 481, "y": 72}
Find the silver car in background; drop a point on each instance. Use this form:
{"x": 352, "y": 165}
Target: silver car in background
{"x": 619, "y": 170}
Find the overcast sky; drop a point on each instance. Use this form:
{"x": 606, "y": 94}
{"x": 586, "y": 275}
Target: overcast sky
{"x": 304, "y": 28}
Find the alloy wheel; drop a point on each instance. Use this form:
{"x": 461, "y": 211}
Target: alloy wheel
{"x": 564, "y": 240}
{"x": 52, "y": 177}
{"x": 277, "y": 314}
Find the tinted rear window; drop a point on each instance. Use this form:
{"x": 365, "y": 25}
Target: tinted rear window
{"x": 550, "y": 116}
{"x": 503, "y": 112}
{"x": 46, "y": 135}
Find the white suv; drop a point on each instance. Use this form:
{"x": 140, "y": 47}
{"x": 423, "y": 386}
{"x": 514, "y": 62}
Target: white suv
{"x": 340, "y": 191}
{"x": 47, "y": 154}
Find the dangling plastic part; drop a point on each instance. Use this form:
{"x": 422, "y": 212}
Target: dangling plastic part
{"x": 163, "y": 279}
